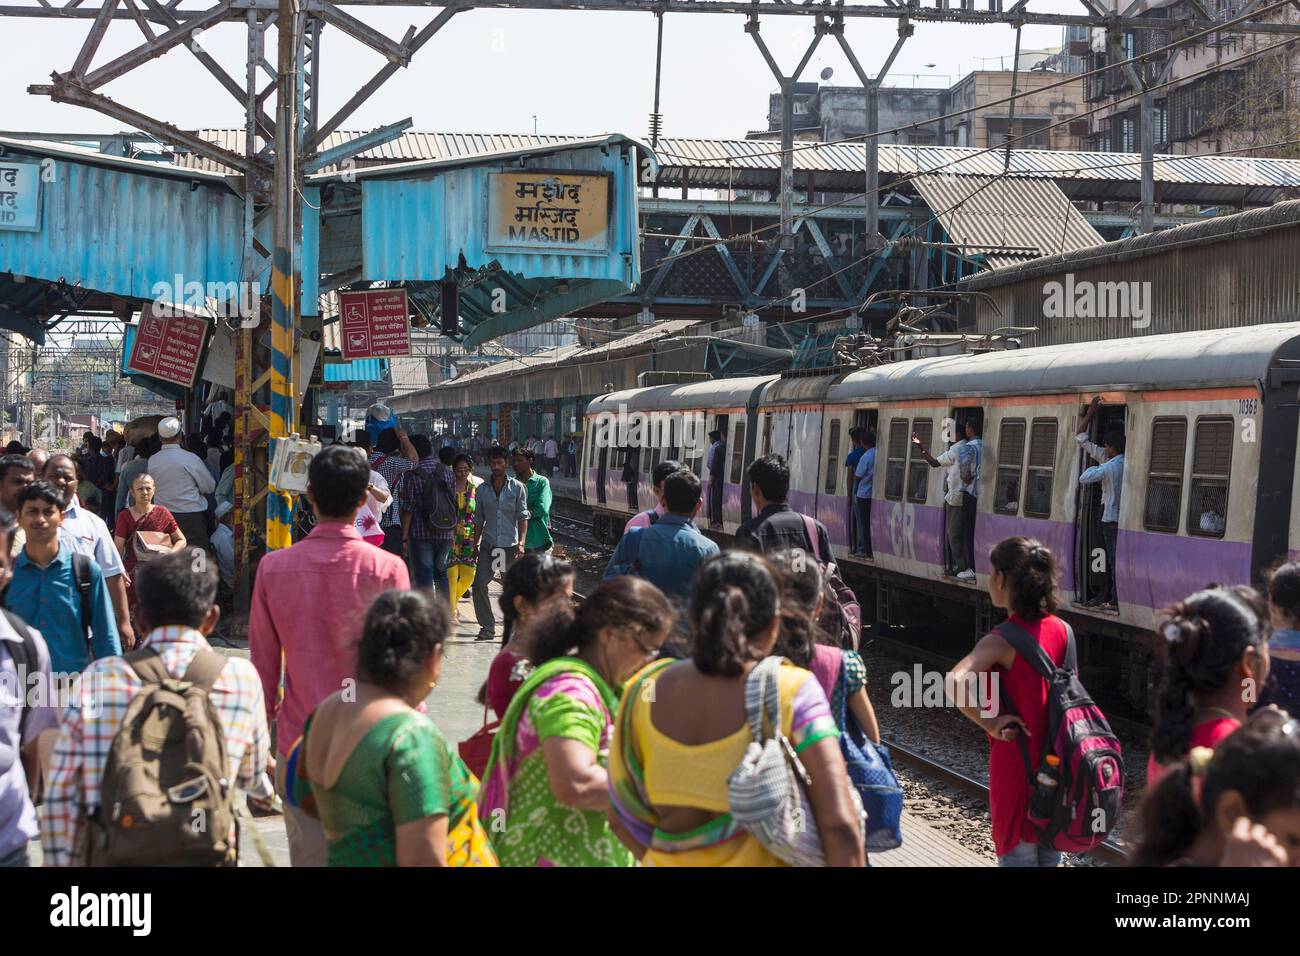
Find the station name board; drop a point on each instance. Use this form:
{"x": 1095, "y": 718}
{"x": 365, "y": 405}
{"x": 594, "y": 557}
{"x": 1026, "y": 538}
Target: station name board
{"x": 548, "y": 211}
{"x": 20, "y": 195}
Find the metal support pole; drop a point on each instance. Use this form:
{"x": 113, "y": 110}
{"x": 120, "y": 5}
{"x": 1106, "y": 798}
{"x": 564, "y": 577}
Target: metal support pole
{"x": 1148, "y": 114}
{"x": 873, "y": 162}
{"x": 285, "y": 306}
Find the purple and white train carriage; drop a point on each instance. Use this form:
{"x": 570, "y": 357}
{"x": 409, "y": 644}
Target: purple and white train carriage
{"x": 1209, "y": 490}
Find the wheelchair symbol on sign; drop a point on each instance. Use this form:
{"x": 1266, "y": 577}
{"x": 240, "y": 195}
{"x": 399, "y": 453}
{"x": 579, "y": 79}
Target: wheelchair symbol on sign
{"x": 902, "y": 522}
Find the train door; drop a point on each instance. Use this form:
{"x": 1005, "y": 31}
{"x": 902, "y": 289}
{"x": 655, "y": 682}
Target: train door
{"x": 971, "y": 458}
{"x": 1091, "y": 567}
{"x": 602, "y": 462}
{"x": 867, "y": 418}
{"x": 714, "y": 490}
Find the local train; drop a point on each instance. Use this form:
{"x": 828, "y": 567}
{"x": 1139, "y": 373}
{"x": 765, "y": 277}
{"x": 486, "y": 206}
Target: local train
{"x": 1208, "y": 495}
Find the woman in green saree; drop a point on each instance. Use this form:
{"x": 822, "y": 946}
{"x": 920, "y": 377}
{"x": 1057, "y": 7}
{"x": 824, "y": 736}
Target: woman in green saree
{"x": 545, "y": 788}
{"x": 376, "y": 772}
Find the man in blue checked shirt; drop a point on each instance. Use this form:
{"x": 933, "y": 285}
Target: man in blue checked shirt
{"x": 44, "y": 593}
{"x": 1110, "y": 474}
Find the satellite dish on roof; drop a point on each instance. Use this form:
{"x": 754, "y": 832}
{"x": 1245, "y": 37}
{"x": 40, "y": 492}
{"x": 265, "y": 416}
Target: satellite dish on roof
{"x": 827, "y": 73}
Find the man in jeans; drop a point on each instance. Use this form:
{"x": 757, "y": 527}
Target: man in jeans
{"x": 427, "y": 546}
{"x": 864, "y": 477}
{"x": 308, "y": 604}
{"x": 501, "y": 524}
{"x": 1109, "y": 473}
{"x": 972, "y": 454}
{"x": 954, "y": 511}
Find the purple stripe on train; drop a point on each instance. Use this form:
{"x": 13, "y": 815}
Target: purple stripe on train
{"x": 1155, "y": 570}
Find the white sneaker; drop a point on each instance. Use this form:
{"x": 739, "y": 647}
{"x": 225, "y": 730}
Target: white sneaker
{"x": 967, "y": 575}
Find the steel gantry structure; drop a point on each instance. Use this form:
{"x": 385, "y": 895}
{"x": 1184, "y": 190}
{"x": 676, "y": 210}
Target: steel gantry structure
{"x": 281, "y": 147}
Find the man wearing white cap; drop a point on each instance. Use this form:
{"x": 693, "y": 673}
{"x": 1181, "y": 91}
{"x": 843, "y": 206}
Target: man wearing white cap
{"x": 181, "y": 483}
{"x": 223, "y": 543}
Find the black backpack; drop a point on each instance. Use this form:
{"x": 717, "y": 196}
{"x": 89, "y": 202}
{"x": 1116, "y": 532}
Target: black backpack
{"x": 437, "y": 502}
{"x": 26, "y": 662}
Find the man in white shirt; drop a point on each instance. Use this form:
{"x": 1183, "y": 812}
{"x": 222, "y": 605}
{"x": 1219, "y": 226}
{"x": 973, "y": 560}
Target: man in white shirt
{"x": 971, "y": 454}
{"x": 86, "y": 532}
{"x": 1110, "y": 474}
{"x": 954, "y": 512}
{"x": 182, "y": 483}
{"x": 550, "y": 454}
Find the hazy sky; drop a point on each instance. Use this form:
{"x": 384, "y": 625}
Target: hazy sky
{"x": 495, "y": 70}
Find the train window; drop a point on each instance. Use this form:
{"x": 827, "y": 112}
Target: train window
{"x": 1042, "y": 466}
{"x": 737, "y": 453}
{"x": 833, "y": 457}
{"x": 1207, "y": 497}
{"x": 918, "y": 472}
{"x": 767, "y": 435}
{"x": 1011, "y": 456}
{"x": 897, "y": 460}
{"x": 1165, "y": 476}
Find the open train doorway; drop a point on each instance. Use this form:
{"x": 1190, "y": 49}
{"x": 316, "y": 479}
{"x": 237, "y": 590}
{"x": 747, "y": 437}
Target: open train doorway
{"x": 715, "y": 465}
{"x": 867, "y": 419}
{"x": 963, "y": 434}
{"x": 1096, "y": 531}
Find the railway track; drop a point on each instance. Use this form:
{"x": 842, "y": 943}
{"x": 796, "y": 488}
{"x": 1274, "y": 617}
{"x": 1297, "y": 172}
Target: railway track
{"x": 1112, "y": 852}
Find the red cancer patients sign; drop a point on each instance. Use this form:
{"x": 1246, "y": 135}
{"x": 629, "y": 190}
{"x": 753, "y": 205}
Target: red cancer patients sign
{"x": 374, "y": 323}
{"x": 168, "y": 347}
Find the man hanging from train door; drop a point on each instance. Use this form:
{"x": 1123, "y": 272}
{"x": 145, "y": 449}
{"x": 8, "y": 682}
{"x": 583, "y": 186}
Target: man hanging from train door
{"x": 1110, "y": 473}
{"x": 972, "y": 452}
{"x": 954, "y": 512}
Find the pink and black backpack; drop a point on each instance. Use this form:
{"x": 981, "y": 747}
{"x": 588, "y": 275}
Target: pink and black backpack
{"x": 1075, "y": 804}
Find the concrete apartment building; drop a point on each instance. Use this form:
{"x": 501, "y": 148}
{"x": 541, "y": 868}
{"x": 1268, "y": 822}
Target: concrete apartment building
{"x": 1043, "y": 117}
{"x": 1240, "y": 105}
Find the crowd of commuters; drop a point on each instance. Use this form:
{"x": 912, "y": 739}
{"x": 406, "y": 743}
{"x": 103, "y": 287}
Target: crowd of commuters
{"x": 621, "y": 722}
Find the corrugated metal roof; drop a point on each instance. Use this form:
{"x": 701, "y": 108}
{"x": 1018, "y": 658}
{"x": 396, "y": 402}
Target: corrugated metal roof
{"x": 714, "y": 162}
{"x": 991, "y": 213}
{"x": 355, "y": 370}
{"x": 82, "y": 154}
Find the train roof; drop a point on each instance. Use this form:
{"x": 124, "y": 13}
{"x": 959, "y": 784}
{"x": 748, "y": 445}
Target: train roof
{"x": 723, "y": 393}
{"x": 1178, "y": 360}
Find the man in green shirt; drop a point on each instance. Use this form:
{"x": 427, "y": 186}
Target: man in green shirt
{"x": 538, "y": 538}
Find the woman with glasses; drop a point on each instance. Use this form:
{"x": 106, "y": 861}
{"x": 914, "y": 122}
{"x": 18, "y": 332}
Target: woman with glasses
{"x": 682, "y": 731}
{"x": 546, "y": 778}
{"x": 1237, "y": 805}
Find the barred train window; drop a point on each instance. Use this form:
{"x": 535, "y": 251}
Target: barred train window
{"x": 1207, "y": 496}
{"x": 1042, "y": 467}
{"x": 1011, "y": 454}
{"x": 897, "y": 459}
{"x": 918, "y": 472}
{"x": 833, "y": 458}
{"x": 1165, "y": 476}
{"x": 738, "y": 453}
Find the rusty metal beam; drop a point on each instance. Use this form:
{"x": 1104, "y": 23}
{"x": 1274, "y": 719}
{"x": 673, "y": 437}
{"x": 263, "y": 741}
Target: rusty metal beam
{"x": 155, "y": 47}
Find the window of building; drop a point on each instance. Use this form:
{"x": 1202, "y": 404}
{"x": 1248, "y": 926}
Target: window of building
{"x": 896, "y": 463}
{"x": 1207, "y": 498}
{"x": 1165, "y": 476}
{"x": 1011, "y": 455}
{"x": 833, "y": 458}
{"x": 1041, "y": 468}
{"x": 918, "y": 472}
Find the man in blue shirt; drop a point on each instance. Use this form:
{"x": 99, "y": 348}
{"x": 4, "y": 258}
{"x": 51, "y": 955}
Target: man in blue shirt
{"x": 668, "y": 553}
{"x": 44, "y": 593}
{"x": 865, "y": 473}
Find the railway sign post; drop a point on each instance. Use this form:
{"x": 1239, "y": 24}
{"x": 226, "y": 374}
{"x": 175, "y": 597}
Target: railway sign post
{"x": 375, "y": 323}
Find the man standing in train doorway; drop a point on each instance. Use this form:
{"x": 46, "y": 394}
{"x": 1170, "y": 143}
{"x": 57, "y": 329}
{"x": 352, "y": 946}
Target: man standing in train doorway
{"x": 716, "y": 461}
{"x": 954, "y": 509}
{"x": 971, "y": 454}
{"x": 1109, "y": 472}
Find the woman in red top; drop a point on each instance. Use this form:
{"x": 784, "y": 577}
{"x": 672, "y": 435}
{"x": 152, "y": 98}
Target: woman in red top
{"x": 530, "y": 583}
{"x": 142, "y": 516}
{"x": 1022, "y": 581}
{"x": 1215, "y": 649}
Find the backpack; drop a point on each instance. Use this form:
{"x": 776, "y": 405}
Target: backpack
{"x": 168, "y": 795}
{"x": 840, "y": 614}
{"x": 1076, "y": 803}
{"x": 437, "y": 502}
{"x": 630, "y": 564}
{"x": 26, "y": 662}
{"x": 81, "y": 576}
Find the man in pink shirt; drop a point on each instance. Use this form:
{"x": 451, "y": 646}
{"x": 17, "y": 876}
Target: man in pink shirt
{"x": 644, "y": 519}
{"x": 308, "y": 605}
